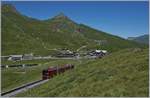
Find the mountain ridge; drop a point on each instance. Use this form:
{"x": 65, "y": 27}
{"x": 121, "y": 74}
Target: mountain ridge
{"x": 26, "y": 35}
{"x": 140, "y": 39}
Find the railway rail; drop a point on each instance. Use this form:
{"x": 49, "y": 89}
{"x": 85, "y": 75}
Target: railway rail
{"x": 25, "y": 87}
{"x": 46, "y": 75}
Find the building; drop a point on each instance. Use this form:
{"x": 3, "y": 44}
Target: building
{"x": 27, "y": 56}
{"x": 15, "y": 57}
{"x": 98, "y": 53}
{"x": 103, "y": 51}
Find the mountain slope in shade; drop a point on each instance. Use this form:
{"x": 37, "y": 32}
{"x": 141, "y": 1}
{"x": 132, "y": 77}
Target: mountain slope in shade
{"x": 140, "y": 39}
{"x": 22, "y": 34}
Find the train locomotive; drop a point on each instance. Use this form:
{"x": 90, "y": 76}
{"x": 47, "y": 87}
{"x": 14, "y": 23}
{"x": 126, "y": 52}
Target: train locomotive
{"x": 52, "y": 71}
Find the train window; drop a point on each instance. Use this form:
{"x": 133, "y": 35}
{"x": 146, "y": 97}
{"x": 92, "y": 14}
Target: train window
{"x": 44, "y": 72}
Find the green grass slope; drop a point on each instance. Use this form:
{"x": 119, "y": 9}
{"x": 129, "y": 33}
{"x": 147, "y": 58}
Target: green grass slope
{"x": 113, "y": 43}
{"x": 122, "y": 73}
{"x": 16, "y": 33}
{"x": 14, "y": 77}
{"x": 22, "y": 34}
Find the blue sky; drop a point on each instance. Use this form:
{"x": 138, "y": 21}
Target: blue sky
{"x": 125, "y": 19}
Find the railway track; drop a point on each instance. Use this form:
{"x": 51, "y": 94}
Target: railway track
{"x": 25, "y": 87}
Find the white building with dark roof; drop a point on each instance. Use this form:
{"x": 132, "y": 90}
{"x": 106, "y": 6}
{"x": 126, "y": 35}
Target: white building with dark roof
{"x": 15, "y": 57}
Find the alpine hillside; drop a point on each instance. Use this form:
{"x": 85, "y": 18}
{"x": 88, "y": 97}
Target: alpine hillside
{"x": 140, "y": 39}
{"x": 22, "y": 34}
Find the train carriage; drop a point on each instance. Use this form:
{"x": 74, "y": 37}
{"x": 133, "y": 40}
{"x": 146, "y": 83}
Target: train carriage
{"x": 50, "y": 72}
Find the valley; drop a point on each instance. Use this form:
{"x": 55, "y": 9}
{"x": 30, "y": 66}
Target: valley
{"x": 105, "y": 65}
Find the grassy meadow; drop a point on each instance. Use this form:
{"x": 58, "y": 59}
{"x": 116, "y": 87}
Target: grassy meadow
{"x": 122, "y": 73}
{"x": 14, "y": 77}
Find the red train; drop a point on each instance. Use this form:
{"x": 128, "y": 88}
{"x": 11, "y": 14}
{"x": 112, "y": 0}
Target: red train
{"x": 52, "y": 71}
